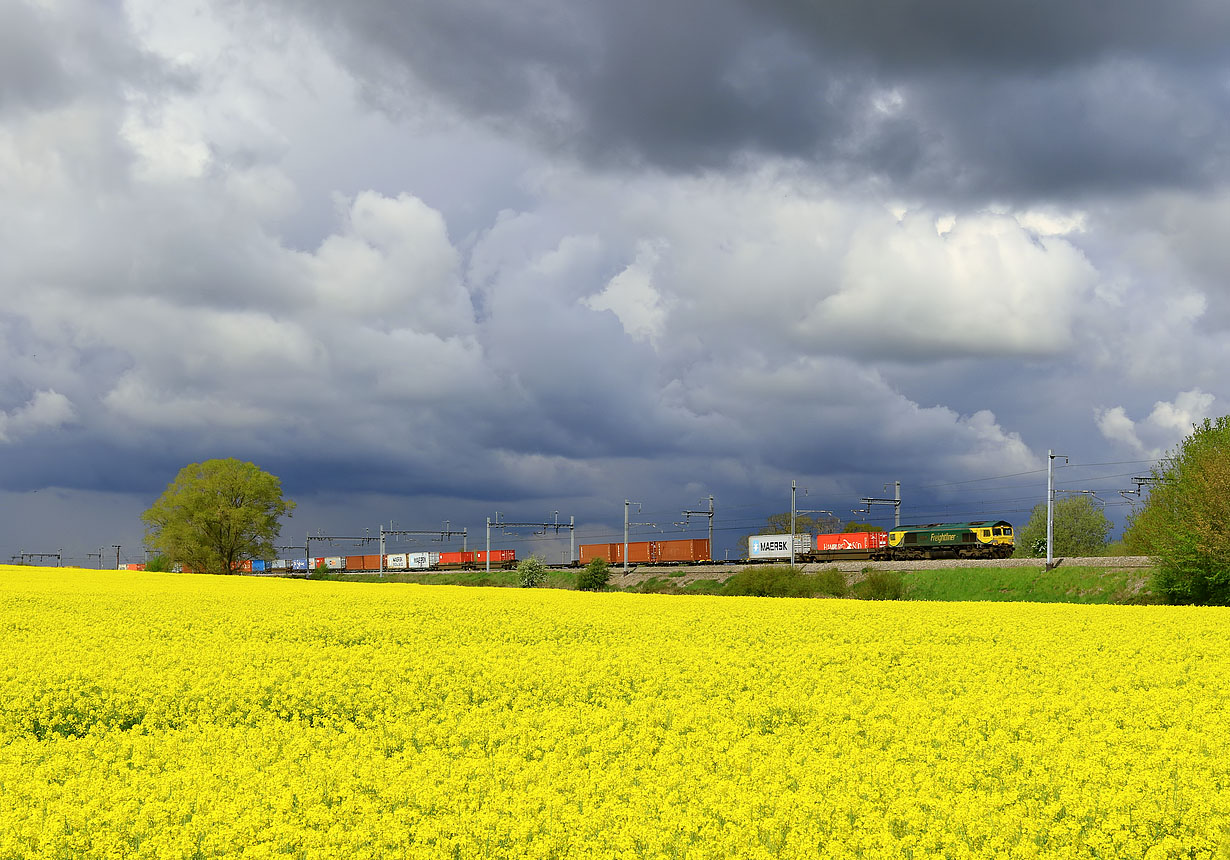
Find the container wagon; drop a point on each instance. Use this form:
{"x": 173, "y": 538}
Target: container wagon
{"x": 688, "y": 551}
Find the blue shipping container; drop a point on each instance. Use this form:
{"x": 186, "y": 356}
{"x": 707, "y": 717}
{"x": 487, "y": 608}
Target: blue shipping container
{"x": 258, "y": 564}
{"x": 298, "y": 564}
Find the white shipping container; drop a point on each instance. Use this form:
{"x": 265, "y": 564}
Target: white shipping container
{"x": 395, "y": 561}
{"x": 777, "y": 546}
{"x": 335, "y": 562}
{"x": 280, "y": 564}
{"x": 422, "y": 560}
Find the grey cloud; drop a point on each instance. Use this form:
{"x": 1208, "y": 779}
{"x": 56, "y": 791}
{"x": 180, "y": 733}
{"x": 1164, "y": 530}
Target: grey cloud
{"x": 956, "y": 99}
{"x": 52, "y": 54}
{"x": 31, "y": 74}
{"x": 1017, "y": 35}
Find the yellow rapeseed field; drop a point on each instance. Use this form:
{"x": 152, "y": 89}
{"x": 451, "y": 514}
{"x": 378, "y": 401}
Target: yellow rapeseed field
{"x": 160, "y": 715}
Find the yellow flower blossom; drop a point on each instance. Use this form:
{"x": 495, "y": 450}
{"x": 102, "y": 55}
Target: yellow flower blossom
{"x": 149, "y": 715}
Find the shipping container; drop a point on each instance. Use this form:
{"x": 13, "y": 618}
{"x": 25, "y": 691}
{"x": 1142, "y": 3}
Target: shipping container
{"x": 639, "y": 552}
{"x": 680, "y": 551}
{"x": 258, "y": 565}
{"x": 422, "y": 560}
{"x": 298, "y": 564}
{"x": 280, "y": 564}
{"x": 244, "y": 566}
{"x": 591, "y": 551}
{"x": 131, "y": 566}
{"x": 335, "y": 562}
{"x": 766, "y": 547}
{"x": 457, "y": 559}
{"x": 371, "y": 562}
{"x": 354, "y": 562}
{"x": 395, "y": 561}
{"x": 852, "y": 542}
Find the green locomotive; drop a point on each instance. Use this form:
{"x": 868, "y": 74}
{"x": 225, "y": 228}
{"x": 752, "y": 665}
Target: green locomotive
{"x": 982, "y": 539}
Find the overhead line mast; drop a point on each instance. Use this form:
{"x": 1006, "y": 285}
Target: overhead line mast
{"x": 557, "y": 525}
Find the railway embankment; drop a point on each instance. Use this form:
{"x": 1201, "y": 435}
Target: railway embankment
{"x": 1119, "y": 579}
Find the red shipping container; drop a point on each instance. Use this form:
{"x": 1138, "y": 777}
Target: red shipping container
{"x": 457, "y": 557}
{"x": 674, "y": 551}
{"x": 852, "y": 542}
{"x": 354, "y": 562}
{"x": 371, "y": 562}
{"x": 497, "y": 555}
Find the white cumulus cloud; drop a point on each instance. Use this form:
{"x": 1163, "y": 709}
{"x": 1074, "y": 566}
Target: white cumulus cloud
{"x": 46, "y": 410}
{"x": 1162, "y": 429}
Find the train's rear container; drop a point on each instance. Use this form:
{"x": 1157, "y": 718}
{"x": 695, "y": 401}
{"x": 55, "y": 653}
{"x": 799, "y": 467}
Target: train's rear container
{"x": 852, "y": 542}
{"x": 677, "y": 551}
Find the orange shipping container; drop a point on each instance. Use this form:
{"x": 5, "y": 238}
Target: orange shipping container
{"x": 675, "y": 551}
{"x": 639, "y": 552}
{"x": 591, "y": 551}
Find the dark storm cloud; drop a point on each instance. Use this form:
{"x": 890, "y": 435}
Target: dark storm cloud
{"x": 1015, "y": 35}
{"x": 956, "y": 98}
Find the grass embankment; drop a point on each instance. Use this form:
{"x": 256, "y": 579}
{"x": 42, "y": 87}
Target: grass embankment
{"x": 1061, "y": 585}
{"x": 1036, "y": 584}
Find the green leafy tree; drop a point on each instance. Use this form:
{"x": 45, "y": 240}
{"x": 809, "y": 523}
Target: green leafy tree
{"x": 779, "y": 524}
{"x": 532, "y": 572}
{"x": 1081, "y": 529}
{"x": 854, "y": 526}
{"x": 216, "y": 514}
{"x": 594, "y": 576}
{"x": 1185, "y": 523}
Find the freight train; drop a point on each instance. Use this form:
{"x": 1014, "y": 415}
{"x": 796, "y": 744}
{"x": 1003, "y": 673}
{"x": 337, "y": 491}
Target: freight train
{"x": 981, "y": 539}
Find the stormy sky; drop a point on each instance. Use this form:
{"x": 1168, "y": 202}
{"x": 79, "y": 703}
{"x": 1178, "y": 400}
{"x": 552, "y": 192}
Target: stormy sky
{"x": 432, "y": 261}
